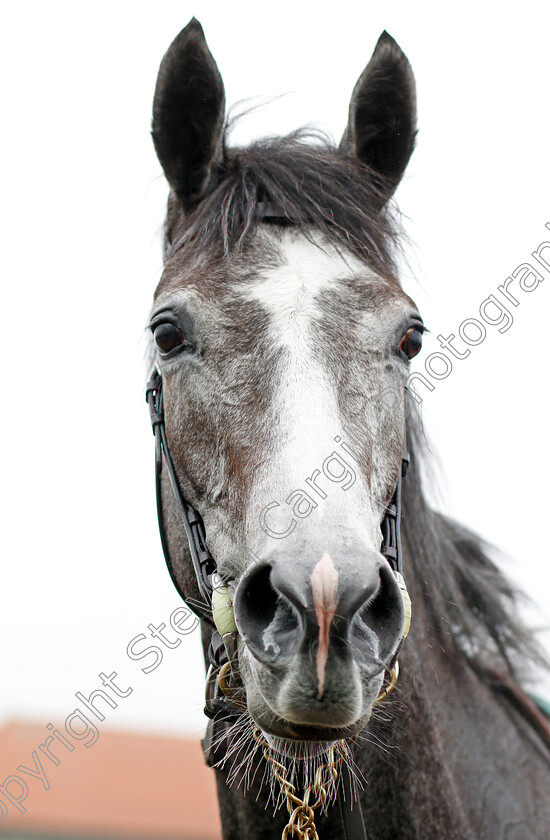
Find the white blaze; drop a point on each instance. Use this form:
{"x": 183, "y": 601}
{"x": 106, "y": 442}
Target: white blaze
{"x": 305, "y": 407}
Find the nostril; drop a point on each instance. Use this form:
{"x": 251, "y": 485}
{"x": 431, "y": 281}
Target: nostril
{"x": 380, "y": 620}
{"x": 265, "y": 619}
{"x": 259, "y": 600}
{"x": 380, "y": 603}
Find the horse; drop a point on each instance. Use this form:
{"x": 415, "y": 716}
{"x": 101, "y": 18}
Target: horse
{"x": 281, "y": 342}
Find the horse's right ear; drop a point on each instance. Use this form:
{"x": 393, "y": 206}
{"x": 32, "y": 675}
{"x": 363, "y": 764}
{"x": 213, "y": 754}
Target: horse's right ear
{"x": 188, "y": 115}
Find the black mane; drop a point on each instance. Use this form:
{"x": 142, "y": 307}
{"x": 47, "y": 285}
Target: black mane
{"x": 311, "y": 182}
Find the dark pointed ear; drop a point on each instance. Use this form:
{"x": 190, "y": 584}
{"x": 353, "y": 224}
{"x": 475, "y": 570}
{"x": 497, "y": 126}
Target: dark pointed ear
{"x": 382, "y": 114}
{"x": 188, "y": 114}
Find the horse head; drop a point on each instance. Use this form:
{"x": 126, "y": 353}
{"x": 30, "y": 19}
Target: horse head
{"x": 283, "y": 339}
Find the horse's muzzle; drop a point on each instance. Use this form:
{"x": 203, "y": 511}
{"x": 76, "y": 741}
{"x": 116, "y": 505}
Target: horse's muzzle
{"x": 318, "y": 632}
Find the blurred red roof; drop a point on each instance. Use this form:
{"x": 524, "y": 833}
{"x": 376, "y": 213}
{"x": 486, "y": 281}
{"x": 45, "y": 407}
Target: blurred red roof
{"x": 124, "y": 785}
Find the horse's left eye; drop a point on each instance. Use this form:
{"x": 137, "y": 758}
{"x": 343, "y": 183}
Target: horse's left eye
{"x": 411, "y": 343}
{"x": 167, "y": 337}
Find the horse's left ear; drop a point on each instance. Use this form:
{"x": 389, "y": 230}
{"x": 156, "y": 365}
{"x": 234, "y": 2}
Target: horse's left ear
{"x": 382, "y": 114}
{"x": 188, "y": 115}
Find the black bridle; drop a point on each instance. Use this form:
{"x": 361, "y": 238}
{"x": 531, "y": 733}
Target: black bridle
{"x": 219, "y": 707}
{"x": 204, "y": 564}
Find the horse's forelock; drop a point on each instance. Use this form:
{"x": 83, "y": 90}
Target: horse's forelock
{"x": 313, "y": 185}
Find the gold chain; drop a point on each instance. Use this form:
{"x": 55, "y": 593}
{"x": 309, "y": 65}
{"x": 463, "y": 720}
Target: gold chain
{"x": 235, "y": 696}
{"x": 301, "y": 821}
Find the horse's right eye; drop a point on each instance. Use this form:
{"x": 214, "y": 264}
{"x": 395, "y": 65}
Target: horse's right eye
{"x": 167, "y": 337}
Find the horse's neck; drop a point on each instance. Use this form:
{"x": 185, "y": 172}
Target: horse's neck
{"x": 409, "y": 761}
{"x": 442, "y": 758}
{"x": 409, "y": 792}
{"x": 447, "y": 757}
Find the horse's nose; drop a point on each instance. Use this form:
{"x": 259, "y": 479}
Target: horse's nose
{"x": 283, "y": 607}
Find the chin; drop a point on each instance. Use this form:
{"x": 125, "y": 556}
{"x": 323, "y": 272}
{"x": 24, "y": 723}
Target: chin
{"x": 288, "y": 736}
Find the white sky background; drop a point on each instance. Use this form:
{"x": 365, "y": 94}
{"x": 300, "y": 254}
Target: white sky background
{"x": 82, "y": 204}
